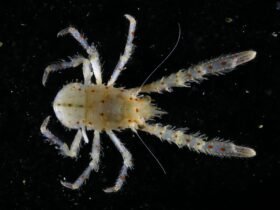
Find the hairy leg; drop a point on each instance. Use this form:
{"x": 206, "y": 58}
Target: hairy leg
{"x": 84, "y": 133}
{"x": 127, "y": 163}
{"x": 198, "y": 142}
{"x": 87, "y": 72}
{"x": 93, "y": 165}
{"x": 74, "y": 62}
{"x": 198, "y": 72}
{"x": 91, "y": 50}
{"x": 75, "y": 146}
{"x": 127, "y": 51}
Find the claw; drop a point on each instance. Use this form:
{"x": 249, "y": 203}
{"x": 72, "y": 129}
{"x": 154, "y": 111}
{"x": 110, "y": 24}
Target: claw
{"x": 245, "y": 56}
{"x": 45, "y": 76}
{"x": 65, "y": 31}
{"x": 43, "y": 127}
{"x": 111, "y": 189}
{"x": 130, "y": 18}
{"x": 245, "y": 152}
{"x": 69, "y": 185}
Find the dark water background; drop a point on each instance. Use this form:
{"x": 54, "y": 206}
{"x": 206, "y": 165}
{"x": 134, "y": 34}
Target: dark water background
{"x": 242, "y": 106}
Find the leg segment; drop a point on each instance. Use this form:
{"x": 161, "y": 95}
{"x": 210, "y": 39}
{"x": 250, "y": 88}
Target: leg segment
{"x": 87, "y": 72}
{"x": 198, "y": 73}
{"x": 93, "y": 165}
{"x": 75, "y": 146}
{"x": 91, "y": 50}
{"x": 126, "y": 165}
{"x": 127, "y": 52}
{"x": 79, "y": 37}
{"x": 198, "y": 142}
{"x": 84, "y": 133}
{"x": 75, "y": 61}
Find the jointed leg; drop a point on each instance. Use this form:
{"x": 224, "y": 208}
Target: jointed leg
{"x": 91, "y": 50}
{"x": 95, "y": 151}
{"x": 79, "y": 37}
{"x": 75, "y": 146}
{"x": 197, "y": 73}
{"x": 199, "y": 142}
{"x": 84, "y": 133}
{"x": 127, "y": 51}
{"x": 93, "y": 165}
{"x": 75, "y": 61}
{"x": 126, "y": 165}
{"x": 87, "y": 72}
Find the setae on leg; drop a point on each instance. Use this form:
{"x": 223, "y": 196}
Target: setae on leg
{"x": 75, "y": 146}
{"x": 197, "y": 73}
{"x": 127, "y": 163}
{"x": 198, "y": 142}
{"x": 127, "y": 51}
{"x": 93, "y": 165}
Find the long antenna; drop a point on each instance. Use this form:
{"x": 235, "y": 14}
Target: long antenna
{"x": 160, "y": 165}
{"x": 169, "y": 54}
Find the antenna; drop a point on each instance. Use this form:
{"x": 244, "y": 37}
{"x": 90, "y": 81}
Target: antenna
{"x": 169, "y": 54}
{"x": 160, "y": 165}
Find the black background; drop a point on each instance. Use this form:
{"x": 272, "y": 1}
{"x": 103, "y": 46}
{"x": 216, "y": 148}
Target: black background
{"x": 242, "y": 105}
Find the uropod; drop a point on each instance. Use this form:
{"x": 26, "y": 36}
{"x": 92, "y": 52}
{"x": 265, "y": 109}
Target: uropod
{"x": 104, "y": 108}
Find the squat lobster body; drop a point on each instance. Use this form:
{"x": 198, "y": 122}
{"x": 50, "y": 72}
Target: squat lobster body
{"x": 105, "y": 108}
{"x": 101, "y": 108}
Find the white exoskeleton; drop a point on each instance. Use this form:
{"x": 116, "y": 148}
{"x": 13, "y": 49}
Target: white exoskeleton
{"x": 105, "y": 108}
